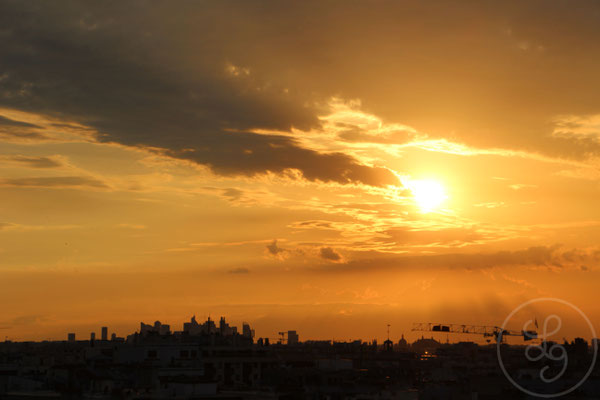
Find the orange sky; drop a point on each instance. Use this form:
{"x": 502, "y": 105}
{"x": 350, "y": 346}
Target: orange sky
{"x": 329, "y": 167}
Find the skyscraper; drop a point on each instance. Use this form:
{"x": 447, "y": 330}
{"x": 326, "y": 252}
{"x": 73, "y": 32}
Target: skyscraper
{"x": 104, "y": 333}
{"x": 293, "y": 337}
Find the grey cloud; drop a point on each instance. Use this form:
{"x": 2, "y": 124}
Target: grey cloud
{"x": 330, "y": 254}
{"x": 154, "y": 74}
{"x": 128, "y": 70}
{"x": 274, "y": 249}
{"x": 233, "y": 194}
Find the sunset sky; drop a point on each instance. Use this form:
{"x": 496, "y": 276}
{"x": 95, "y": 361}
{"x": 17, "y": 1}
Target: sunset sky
{"x": 325, "y": 166}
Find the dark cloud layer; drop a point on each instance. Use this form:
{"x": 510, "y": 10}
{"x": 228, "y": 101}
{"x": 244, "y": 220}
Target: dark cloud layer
{"x": 126, "y": 70}
{"x": 195, "y": 78}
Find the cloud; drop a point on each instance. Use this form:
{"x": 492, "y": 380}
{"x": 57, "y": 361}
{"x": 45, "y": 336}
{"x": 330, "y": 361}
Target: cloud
{"x": 239, "y": 270}
{"x": 491, "y": 204}
{"x": 12, "y": 123}
{"x": 447, "y": 236}
{"x": 232, "y": 194}
{"x": 28, "y": 320}
{"x": 274, "y": 249}
{"x": 190, "y": 82}
{"x": 54, "y": 182}
{"x": 357, "y": 135}
{"x": 32, "y": 161}
{"x": 519, "y": 186}
{"x": 327, "y": 253}
{"x": 149, "y": 91}
{"x": 23, "y": 320}
{"x": 578, "y": 126}
{"x": 537, "y": 256}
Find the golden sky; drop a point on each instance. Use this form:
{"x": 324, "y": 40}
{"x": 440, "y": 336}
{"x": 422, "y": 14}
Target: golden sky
{"x": 324, "y": 166}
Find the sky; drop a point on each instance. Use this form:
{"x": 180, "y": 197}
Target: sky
{"x": 325, "y": 166}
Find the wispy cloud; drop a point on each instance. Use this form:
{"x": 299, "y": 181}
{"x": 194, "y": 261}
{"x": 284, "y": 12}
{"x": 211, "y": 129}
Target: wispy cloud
{"x": 31, "y": 161}
{"x": 54, "y": 182}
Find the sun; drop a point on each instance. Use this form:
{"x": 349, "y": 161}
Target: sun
{"x": 428, "y": 194}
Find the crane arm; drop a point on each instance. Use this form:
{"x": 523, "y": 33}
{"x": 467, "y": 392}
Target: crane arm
{"x": 484, "y": 330}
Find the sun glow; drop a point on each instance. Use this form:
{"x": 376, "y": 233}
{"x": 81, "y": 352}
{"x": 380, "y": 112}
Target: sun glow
{"x": 428, "y": 194}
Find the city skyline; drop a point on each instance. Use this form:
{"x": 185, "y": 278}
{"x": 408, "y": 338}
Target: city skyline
{"x": 325, "y": 167}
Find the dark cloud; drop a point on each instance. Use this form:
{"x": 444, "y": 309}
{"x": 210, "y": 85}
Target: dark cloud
{"x": 34, "y": 162}
{"x": 12, "y": 123}
{"x": 329, "y": 254}
{"x": 197, "y": 78}
{"x": 54, "y": 182}
{"x": 274, "y": 249}
{"x": 133, "y": 72}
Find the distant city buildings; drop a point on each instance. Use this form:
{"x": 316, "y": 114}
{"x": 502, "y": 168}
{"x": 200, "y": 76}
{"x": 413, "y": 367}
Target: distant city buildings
{"x": 292, "y": 338}
{"x": 403, "y": 344}
{"x": 194, "y": 328}
{"x": 217, "y": 362}
{"x": 209, "y": 328}
{"x": 247, "y": 332}
{"x": 158, "y": 327}
{"x": 104, "y": 333}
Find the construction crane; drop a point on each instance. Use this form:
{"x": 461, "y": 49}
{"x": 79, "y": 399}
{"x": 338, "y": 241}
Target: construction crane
{"x": 282, "y": 334}
{"x": 486, "y": 331}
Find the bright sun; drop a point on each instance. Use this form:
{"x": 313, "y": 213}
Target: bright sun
{"x": 428, "y": 194}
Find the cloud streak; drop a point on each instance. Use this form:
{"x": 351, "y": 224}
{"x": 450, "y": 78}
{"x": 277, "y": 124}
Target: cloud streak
{"x": 54, "y": 182}
{"x": 536, "y": 256}
{"x": 31, "y": 161}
